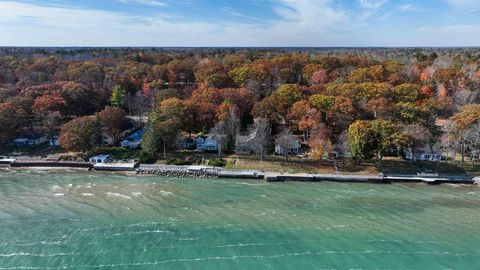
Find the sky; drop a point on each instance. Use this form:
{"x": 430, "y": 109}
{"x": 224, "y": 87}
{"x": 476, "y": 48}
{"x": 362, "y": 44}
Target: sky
{"x": 240, "y": 23}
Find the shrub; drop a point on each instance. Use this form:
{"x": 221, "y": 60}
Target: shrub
{"x": 217, "y": 162}
{"x": 178, "y": 162}
{"x": 146, "y": 157}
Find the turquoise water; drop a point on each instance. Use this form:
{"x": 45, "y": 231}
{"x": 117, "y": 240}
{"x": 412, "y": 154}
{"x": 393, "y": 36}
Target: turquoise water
{"x": 108, "y": 221}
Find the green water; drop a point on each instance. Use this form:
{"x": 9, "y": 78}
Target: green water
{"x": 108, "y": 221}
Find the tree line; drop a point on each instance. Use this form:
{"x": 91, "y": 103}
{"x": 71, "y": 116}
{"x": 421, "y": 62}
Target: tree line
{"x": 368, "y": 105}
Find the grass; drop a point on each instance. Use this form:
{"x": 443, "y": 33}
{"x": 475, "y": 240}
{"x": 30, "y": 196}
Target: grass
{"x": 118, "y": 153}
{"x": 275, "y": 163}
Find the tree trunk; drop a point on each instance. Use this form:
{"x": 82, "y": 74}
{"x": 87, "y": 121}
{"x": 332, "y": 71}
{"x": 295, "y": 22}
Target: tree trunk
{"x": 164, "y": 149}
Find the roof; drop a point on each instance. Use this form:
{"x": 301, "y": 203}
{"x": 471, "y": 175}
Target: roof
{"x": 293, "y": 142}
{"x": 137, "y": 136}
{"x": 101, "y": 156}
{"x": 246, "y": 138}
{"x": 186, "y": 140}
{"x": 30, "y": 137}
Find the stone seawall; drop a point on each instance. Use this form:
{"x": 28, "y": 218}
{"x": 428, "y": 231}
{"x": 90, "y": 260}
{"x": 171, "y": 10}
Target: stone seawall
{"x": 177, "y": 171}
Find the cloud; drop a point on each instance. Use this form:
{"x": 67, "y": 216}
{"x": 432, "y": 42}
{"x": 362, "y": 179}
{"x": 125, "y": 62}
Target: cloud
{"x": 153, "y": 3}
{"x": 290, "y": 23}
{"x": 370, "y": 7}
{"x": 464, "y": 3}
{"x": 371, "y": 4}
{"x": 299, "y": 23}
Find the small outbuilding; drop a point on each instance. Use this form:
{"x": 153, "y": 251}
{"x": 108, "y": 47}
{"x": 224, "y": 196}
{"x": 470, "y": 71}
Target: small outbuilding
{"x": 101, "y": 159}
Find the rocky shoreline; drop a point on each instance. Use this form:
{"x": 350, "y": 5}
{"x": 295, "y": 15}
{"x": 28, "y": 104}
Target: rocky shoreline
{"x": 208, "y": 172}
{"x": 177, "y": 171}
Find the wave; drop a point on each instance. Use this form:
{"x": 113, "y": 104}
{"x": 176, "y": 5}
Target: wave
{"x": 114, "y": 194}
{"x": 261, "y": 257}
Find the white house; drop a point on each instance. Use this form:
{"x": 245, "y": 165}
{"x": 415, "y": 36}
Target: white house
{"x": 424, "y": 154}
{"x": 206, "y": 143}
{"x": 101, "y": 159}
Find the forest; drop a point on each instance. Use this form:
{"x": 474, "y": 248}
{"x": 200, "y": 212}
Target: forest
{"x": 360, "y": 103}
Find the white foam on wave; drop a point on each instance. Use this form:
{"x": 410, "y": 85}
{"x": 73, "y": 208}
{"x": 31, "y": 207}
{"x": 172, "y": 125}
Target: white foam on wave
{"x": 58, "y": 194}
{"x": 136, "y": 194}
{"x": 166, "y": 193}
{"x": 114, "y": 194}
{"x": 87, "y": 194}
{"x": 56, "y": 187}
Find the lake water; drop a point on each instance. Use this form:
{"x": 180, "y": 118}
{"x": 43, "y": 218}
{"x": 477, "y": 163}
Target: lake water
{"x": 109, "y": 221}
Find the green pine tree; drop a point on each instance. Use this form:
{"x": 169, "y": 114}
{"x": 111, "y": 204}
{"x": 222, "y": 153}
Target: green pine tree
{"x": 118, "y": 96}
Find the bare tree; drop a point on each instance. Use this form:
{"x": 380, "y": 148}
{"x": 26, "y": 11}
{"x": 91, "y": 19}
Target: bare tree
{"x": 468, "y": 142}
{"x": 263, "y": 132}
{"x": 231, "y": 126}
{"x": 285, "y": 141}
{"x": 218, "y": 134}
{"x": 418, "y": 136}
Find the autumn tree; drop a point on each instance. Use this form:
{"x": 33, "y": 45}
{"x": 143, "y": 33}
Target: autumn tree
{"x": 361, "y": 140}
{"x": 380, "y": 108}
{"x": 320, "y": 142}
{"x": 467, "y": 129}
{"x": 48, "y": 109}
{"x": 212, "y": 73}
{"x": 304, "y": 116}
{"x": 112, "y": 119}
{"x": 384, "y": 132}
{"x": 12, "y": 117}
{"x": 169, "y": 121}
{"x": 80, "y": 134}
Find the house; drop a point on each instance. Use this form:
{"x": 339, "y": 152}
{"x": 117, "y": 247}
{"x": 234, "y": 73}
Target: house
{"x": 29, "y": 140}
{"x": 134, "y": 140}
{"x": 54, "y": 141}
{"x": 424, "y": 154}
{"x": 206, "y": 143}
{"x": 289, "y": 145}
{"x": 101, "y": 159}
{"x": 245, "y": 145}
{"x": 186, "y": 143}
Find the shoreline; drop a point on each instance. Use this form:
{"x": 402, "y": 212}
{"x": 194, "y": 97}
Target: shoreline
{"x": 204, "y": 172}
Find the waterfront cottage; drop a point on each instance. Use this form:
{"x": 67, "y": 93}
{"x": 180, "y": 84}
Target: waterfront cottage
{"x": 206, "y": 143}
{"x": 287, "y": 145}
{"x": 245, "y": 145}
{"x": 29, "y": 140}
{"x": 186, "y": 143}
{"x": 101, "y": 159}
{"x": 134, "y": 140}
{"x": 425, "y": 153}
